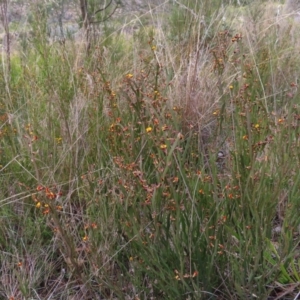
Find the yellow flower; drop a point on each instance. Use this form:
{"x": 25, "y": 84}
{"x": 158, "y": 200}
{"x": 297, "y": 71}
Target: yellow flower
{"x": 148, "y": 129}
{"x": 153, "y": 48}
{"x": 256, "y": 126}
{"x": 163, "y": 146}
{"x": 58, "y": 140}
{"x": 231, "y": 87}
{"x": 38, "y": 205}
{"x": 129, "y": 76}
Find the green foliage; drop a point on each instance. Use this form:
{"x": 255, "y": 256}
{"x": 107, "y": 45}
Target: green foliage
{"x": 111, "y": 174}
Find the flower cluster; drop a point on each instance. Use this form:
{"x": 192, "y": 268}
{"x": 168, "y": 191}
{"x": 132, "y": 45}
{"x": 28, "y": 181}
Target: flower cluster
{"x": 47, "y": 194}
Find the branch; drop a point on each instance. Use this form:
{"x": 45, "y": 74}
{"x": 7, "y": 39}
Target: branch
{"x": 104, "y": 8}
{"x": 96, "y": 22}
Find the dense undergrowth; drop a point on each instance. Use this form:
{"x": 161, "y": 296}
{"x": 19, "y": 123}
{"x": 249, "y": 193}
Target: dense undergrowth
{"x": 163, "y": 165}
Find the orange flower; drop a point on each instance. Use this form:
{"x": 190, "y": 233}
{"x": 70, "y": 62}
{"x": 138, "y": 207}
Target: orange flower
{"x": 175, "y": 179}
{"x": 49, "y": 194}
{"x": 39, "y": 188}
{"x": 46, "y": 211}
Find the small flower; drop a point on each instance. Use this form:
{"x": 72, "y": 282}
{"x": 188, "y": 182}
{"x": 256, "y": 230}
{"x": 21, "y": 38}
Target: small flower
{"x": 38, "y": 205}
{"x": 49, "y": 194}
{"x": 180, "y": 136}
{"x": 129, "y": 76}
{"x": 256, "y": 126}
{"x": 231, "y": 87}
{"x": 153, "y": 48}
{"x": 195, "y": 274}
{"x": 58, "y": 140}
{"x": 94, "y": 225}
{"x": 85, "y": 238}
{"x": 112, "y": 127}
{"x": 155, "y": 121}
{"x": 39, "y": 188}
{"x": 177, "y": 277}
{"x": 148, "y": 129}
{"x": 163, "y": 146}
{"x": 46, "y": 211}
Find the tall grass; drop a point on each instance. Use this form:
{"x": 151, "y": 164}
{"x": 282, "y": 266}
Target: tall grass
{"x": 164, "y": 165}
